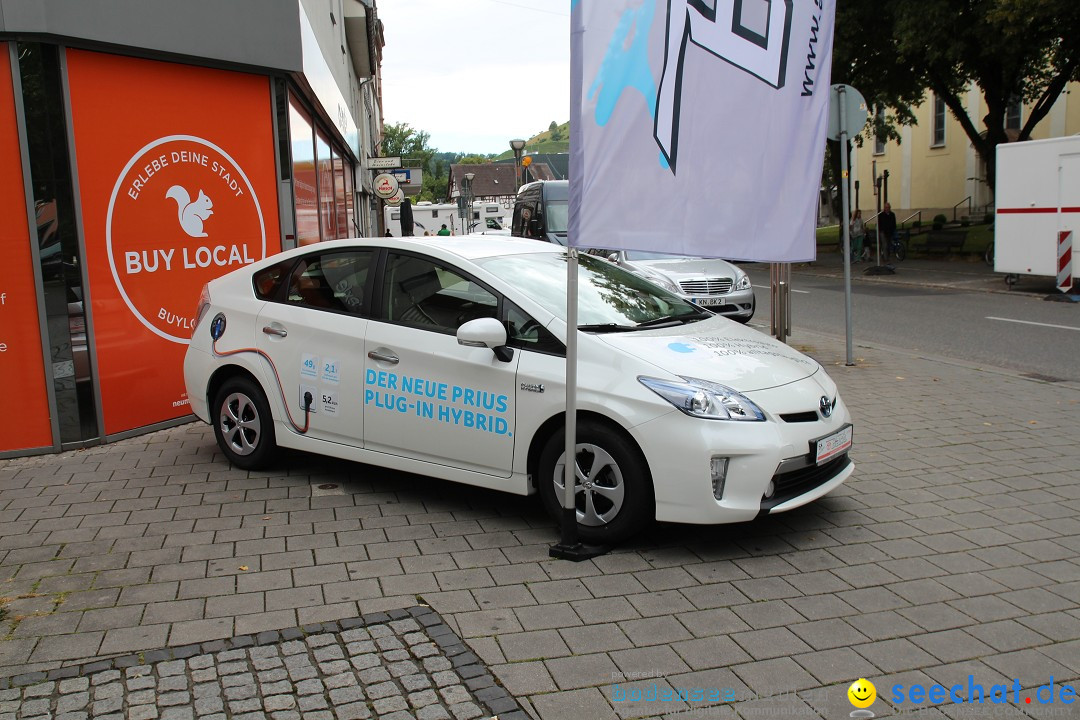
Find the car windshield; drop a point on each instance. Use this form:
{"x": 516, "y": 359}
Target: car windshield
{"x": 607, "y": 294}
{"x": 632, "y": 255}
{"x": 558, "y": 214}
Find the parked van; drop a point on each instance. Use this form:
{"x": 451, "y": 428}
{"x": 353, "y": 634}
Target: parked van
{"x": 542, "y": 210}
{"x": 430, "y": 217}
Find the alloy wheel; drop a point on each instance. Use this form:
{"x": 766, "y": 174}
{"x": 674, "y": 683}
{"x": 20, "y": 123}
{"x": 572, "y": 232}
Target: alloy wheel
{"x": 599, "y": 490}
{"x": 240, "y": 424}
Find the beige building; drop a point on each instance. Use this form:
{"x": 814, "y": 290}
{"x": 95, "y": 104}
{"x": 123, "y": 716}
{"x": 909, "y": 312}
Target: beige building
{"x": 935, "y": 169}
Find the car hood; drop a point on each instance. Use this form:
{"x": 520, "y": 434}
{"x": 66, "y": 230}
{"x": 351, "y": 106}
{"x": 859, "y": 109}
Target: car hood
{"x": 686, "y": 268}
{"x": 719, "y": 350}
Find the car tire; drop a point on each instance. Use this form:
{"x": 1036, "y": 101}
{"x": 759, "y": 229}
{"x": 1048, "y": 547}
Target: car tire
{"x": 243, "y": 424}
{"x": 618, "y": 500}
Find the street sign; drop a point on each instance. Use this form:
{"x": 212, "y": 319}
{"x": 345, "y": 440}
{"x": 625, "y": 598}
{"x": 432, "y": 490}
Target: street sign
{"x": 855, "y": 113}
{"x": 395, "y": 199}
{"x": 384, "y": 163}
{"x": 385, "y": 185}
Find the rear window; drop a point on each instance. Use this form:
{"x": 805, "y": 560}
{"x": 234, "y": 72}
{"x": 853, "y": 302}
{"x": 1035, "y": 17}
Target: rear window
{"x": 268, "y": 281}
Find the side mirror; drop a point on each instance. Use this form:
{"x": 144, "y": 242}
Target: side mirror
{"x": 485, "y": 332}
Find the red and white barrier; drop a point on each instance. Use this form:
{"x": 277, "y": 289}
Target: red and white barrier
{"x": 1064, "y": 264}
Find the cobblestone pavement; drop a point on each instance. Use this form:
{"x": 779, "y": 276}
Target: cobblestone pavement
{"x": 407, "y": 664}
{"x": 953, "y": 553}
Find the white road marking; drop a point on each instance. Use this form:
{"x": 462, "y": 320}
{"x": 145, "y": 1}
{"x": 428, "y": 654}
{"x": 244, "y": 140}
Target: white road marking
{"x": 1029, "y": 322}
{"x": 767, "y": 287}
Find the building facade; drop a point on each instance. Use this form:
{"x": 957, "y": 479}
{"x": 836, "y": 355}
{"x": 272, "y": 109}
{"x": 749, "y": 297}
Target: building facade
{"x": 148, "y": 147}
{"x": 935, "y": 169}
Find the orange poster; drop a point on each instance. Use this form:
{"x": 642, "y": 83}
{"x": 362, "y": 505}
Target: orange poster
{"x": 178, "y": 186}
{"x": 22, "y": 367}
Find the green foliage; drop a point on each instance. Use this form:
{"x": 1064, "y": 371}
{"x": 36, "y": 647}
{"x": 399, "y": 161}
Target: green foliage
{"x": 939, "y": 221}
{"x": 892, "y": 51}
{"x": 988, "y": 218}
{"x": 965, "y": 221}
{"x": 549, "y": 141}
{"x": 400, "y": 139}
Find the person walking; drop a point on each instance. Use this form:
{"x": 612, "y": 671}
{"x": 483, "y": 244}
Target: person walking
{"x": 858, "y": 235}
{"x": 886, "y": 230}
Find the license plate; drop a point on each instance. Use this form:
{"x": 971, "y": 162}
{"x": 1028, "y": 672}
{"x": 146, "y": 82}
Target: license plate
{"x": 709, "y": 302}
{"x": 833, "y": 445}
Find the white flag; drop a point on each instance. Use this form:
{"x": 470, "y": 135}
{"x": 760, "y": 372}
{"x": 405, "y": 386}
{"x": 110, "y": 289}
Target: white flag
{"x": 698, "y": 126}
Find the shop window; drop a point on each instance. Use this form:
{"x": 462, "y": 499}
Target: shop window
{"x": 350, "y": 213}
{"x": 325, "y": 173}
{"x": 305, "y": 184}
{"x": 341, "y": 220}
{"x": 58, "y": 241}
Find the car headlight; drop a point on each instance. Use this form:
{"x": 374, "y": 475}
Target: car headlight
{"x": 662, "y": 282}
{"x": 743, "y": 283}
{"x": 704, "y": 399}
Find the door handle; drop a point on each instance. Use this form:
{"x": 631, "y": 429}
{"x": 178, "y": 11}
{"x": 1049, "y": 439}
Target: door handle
{"x": 381, "y": 357}
{"x": 271, "y": 330}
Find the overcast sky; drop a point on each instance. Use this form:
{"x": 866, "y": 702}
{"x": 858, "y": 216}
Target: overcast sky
{"x": 476, "y": 73}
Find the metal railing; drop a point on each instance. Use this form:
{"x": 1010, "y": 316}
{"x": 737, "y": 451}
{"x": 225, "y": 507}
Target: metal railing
{"x": 965, "y": 200}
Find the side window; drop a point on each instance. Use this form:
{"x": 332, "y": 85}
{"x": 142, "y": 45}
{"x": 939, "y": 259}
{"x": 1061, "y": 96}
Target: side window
{"x": 522, "y": 214}
{"x": 525, "y": 333}
{"x": 331, "y": 281}
{"x": 419, "y": 292}
{"x": 268, "y": 281}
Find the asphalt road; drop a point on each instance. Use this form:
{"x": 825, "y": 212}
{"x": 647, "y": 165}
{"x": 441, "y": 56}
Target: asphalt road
{"x": 1018, "y": 331}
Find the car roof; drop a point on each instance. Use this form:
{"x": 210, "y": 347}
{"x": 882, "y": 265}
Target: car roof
{"x": 468, "y": 247}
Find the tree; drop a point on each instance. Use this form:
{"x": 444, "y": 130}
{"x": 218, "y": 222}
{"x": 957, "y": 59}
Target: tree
{"x": 892, "y": 50}
{"x": 400, "y": 139}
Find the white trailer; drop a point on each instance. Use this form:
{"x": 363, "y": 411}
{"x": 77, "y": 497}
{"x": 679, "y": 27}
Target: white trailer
{"x": 430, "y": 217}
{"x": 1038, "y": 200}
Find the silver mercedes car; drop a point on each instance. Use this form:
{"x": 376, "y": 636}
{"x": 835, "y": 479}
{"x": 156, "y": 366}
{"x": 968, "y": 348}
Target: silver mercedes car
{"x": 707, "y": 282}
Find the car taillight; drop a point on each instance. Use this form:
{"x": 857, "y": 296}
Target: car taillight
{"x": 204, "y": 304}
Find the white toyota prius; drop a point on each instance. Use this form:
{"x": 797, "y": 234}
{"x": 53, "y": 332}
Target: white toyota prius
{"x": 447, "y": 358}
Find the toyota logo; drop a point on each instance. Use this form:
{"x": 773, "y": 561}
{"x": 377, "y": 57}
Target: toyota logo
{"x": 825, "y": 406}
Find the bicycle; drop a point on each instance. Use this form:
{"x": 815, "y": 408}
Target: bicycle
{"x": 896, "y": 248}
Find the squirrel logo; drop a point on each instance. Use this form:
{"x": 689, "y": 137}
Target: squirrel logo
{"x": 192, "y": 215}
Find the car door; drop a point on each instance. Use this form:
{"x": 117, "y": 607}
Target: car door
{"x": 314, "y": 329}
{"x": 425, "y": 396}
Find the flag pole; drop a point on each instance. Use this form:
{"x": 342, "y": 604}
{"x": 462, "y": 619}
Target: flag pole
{"x": 569, "y": 546}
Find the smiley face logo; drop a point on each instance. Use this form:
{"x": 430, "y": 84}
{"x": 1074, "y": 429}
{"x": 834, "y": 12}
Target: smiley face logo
{"x": 862, "y": 693}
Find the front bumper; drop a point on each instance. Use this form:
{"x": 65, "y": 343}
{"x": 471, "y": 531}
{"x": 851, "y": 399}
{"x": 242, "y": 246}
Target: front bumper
{"x": 737, "y": 303}
{"x": 679, "y": 450}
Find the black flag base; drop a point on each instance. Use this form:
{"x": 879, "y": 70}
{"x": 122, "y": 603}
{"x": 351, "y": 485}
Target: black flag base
{"x": 577, "y": 552}
{"x": 569, "y": 547}
{"x": 880, "y": 270}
